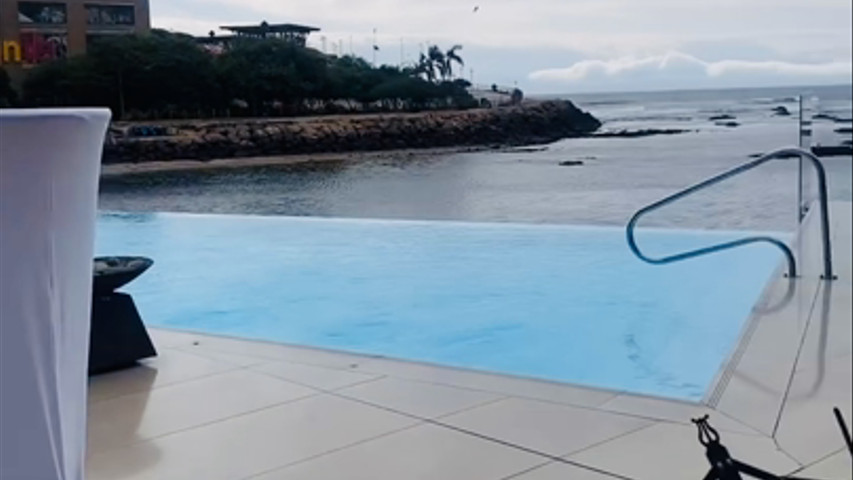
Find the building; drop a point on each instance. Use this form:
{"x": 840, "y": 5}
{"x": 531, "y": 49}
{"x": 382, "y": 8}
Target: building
{"x": 33, "y": 32}
{"x": 297, "y": 34}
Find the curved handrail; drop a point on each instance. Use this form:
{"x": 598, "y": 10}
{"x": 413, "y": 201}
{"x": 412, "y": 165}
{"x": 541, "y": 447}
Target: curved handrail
{"x": 789, "y": 254}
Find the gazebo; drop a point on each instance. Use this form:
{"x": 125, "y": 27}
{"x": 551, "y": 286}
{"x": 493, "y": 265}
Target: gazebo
{"x": 297, "y": 34}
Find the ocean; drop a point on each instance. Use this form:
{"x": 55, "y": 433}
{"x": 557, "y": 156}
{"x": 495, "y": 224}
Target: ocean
{"x": 617, "y": 175}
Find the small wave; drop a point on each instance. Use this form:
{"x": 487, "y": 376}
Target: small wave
{"x": 598, "y": 103}
{"x": 773, "y": 100}
{"x": 652, "y": 118}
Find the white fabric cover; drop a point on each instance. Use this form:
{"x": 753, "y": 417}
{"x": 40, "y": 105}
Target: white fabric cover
{"x": 49, "y": 168}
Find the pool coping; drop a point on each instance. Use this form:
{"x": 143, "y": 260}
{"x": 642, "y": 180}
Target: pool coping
{"x": 730, "y": 364}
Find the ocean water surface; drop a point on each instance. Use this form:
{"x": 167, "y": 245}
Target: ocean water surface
{"x": 619, "y": 175}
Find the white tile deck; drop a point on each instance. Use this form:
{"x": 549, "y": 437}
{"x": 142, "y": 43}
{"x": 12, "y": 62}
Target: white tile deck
{"x": 147, "y": 415}
{"x": 670, "y": 451}
{"x": 423, "y": 452}
{"x": 221, "y": 408}
{"x": 560, "y": 471}
{"x": 553, "y": 429}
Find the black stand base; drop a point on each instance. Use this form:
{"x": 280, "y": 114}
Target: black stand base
{"x": 118, "y": 338}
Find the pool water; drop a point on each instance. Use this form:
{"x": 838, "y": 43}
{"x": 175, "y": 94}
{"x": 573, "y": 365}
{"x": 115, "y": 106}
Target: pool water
{"x": 562, "y": 303}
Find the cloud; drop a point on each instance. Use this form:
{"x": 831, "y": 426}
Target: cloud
{"x": 597, "y": 28}
{"x": 730, "y": 67}
{"x": 680, "y": 70}
{"x": 506, "y": 39}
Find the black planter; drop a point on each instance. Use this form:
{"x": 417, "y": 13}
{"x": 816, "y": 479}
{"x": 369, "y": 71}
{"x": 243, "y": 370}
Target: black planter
{"x": 112, "y": 273}
{"x": 117, "y": 337}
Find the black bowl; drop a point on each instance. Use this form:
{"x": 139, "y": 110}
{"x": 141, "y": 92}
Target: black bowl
{"x": 112, "y": 273}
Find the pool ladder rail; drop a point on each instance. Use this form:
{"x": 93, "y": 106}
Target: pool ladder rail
{"x": 785, "y": 153}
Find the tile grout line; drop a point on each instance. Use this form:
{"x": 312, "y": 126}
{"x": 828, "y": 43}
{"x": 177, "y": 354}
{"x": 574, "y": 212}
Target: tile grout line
{"x": 597, "y": 407}
{"x": 603, "y": 442}
{"x": 421, "y": 421}
{"x": 529, "y": 470}
{"x": 231, "y": 338}
{"x": 785, "y": 452}
{"x": 322, "y": 390}
{"x": 193, "y": 350}
{"x": 611, "y": 394}
{"x": 793, "y": 373}
{"x": 158, "y": 387}
{"x": 529, "y": 450}
{"x": 436, "y": 422}
{"x": 687, "y": 423}
{"x": 234, "y": 368}
{"x": 380, "y": 376}
{"x": 523, "y": 397}
{"x": 263, "y": 360}
{"x": 802, "y": 467}
{"x": 333, "y": 451}
{"x": 213, "y": 422}
{"x": 756, "y": 433}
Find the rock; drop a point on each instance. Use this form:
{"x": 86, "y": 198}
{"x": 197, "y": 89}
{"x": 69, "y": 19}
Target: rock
{"x": 214, "y": 138}
{"x": 833, "y": 118}
{"x": 571, "y": 163}
{"x": 781, "y": 111}
{"x": 528, "y": 150}
{"x": 727, "y": 124}
{"x": 640, "y": 133}
{"x": 833, "y": 150}
{"x": 715, "y": 118}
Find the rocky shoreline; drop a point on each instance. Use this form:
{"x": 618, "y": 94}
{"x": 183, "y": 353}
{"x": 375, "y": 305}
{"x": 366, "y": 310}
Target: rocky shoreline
{"x": 529, "y": 124}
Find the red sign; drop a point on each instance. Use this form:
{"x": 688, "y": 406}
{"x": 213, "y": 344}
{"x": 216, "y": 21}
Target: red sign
{"x": 39, "y": 47}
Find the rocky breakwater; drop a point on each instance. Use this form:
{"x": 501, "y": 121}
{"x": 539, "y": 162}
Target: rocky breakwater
{"x": 533, "y": 123}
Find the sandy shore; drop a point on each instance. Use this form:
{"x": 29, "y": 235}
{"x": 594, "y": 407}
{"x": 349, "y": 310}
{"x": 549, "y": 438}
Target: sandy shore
{"x": 120, "y": 169}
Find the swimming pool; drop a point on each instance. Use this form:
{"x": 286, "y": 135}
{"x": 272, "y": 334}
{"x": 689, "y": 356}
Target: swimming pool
{"x": 563, "y": 303}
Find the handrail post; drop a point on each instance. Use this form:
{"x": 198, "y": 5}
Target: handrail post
{"x": 828, "y": 273}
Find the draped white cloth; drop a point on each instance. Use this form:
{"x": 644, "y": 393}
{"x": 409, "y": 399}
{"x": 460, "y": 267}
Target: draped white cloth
{"x": 49, "y": 168}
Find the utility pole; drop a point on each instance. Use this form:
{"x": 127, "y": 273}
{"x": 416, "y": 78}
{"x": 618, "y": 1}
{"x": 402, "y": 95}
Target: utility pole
{"x": 375, "y": 47}
{"x": 402, "y": 52}
{"x": 323, "y": 41}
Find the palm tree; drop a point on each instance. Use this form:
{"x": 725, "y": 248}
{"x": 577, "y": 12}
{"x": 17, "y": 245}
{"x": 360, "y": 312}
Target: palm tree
{"x": 452, "y": 57}
{"x": 439, "y": 62}
{"x": 435, "y": 64}
{"x": 426, "y": 68}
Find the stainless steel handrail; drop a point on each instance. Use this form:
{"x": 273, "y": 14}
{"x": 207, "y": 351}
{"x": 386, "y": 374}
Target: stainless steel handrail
{"x": 789, "y": 254}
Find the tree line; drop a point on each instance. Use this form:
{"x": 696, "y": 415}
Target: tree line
{"x": 168, "y": 75}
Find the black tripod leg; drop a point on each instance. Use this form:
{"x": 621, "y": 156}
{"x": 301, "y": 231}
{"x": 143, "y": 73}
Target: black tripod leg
{"x": 755, "y": 472}
{"x": 711, "y": 476}
{"x": 844, "y": 432}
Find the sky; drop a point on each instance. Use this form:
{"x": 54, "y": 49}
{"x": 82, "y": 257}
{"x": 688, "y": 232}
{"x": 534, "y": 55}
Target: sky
{"x": 570, "y": 46}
